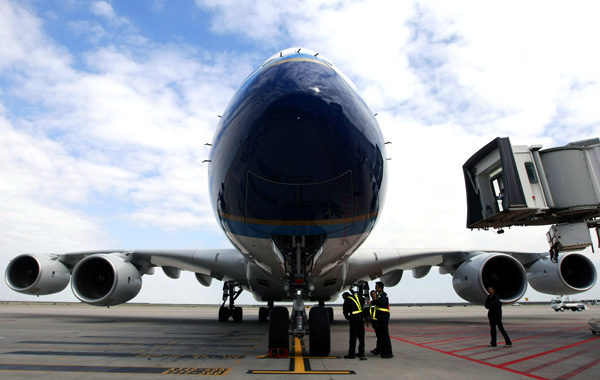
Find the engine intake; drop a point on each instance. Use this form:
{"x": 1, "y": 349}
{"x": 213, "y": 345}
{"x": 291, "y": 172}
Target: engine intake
{"x": 502, "y": 272}
{"x": 105, "y": 280}
{"x": 36, "y": 275}
{"x": 574, "y": 273}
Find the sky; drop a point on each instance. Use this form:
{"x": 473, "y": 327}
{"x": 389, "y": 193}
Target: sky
{"x": 105, "y": 107}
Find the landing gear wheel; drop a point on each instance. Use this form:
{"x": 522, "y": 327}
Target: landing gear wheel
{"x": 330, "y": 311}
{"x": 223, "y": 314}
{"x": 263, "y": 314}
{"x": 278, "y": 328}
{"x": 320, "y": 335}
{"x": 238, "y": 314}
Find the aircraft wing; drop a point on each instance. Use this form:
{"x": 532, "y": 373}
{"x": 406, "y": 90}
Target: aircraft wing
{"x": 222, "y": 264}
{"x": 473, "y": 272}
{"x": 111, "y": 277}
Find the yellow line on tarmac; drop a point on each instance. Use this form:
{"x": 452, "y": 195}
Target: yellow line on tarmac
{"x": 299, "y": 367}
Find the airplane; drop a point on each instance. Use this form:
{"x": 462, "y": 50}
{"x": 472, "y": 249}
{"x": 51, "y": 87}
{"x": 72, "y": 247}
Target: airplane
{"x": 297, "y": 180}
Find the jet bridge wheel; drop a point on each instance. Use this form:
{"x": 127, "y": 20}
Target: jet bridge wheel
{"x": 320, "y": 335}
{"x": 278, "y": 328}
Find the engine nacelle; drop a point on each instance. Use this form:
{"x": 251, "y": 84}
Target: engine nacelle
{"x": 105, "y": 280}
{"x": 502, "y": 272}
{"x": 36, "y": 275}
{"x": 574, "y": 273}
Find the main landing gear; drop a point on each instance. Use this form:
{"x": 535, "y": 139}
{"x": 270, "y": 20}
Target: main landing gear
{"x": 231, "y": 291}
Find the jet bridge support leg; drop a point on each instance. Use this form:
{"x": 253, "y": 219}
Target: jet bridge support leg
{"x": 231, "y": 292}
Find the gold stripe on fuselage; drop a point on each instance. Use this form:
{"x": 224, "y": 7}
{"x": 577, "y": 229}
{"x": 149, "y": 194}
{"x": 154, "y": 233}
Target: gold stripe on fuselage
{"x": 320, "y": 222}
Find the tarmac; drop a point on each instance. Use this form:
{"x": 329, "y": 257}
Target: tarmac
{"x": 77, "y": 341}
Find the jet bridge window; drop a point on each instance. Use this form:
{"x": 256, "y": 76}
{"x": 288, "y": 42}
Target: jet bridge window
{"x": 530, "y": 169}
{"x": 498, "y": 187}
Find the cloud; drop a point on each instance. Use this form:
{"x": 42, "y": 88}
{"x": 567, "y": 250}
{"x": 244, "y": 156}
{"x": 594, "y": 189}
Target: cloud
{"x": 105, "y": 129}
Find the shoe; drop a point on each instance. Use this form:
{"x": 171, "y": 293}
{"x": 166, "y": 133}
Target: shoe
{"x": 508, "y": 345}
{"x": 491, "y": 345}
{"x": 349, "y": 356}
{"x": 360, "y": 356}
{"x": 388, "y": 356}
{"x": 375, "y": 352}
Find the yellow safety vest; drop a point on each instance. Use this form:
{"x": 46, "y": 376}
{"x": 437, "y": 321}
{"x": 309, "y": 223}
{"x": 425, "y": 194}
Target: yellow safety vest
{"x": 372, "y": 311}
{"x": 375, "y": 309}
{"x": 357, "y": 302}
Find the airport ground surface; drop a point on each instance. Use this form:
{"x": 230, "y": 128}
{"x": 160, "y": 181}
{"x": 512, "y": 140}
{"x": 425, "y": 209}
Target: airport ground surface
{"x": 73, "y": 341}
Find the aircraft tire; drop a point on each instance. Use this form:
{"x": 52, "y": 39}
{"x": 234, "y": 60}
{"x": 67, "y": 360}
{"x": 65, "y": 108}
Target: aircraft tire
{"x": 263, "y": 314}
{"x": 223, "y": 314}
{"x": 330, "y": 311}
{"x": 320, "y": 334}
{"x": 278, "y": 328}
{"x": 238, "y": 314}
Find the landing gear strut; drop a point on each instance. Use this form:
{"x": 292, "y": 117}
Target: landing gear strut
{"x": 231, "y": 291}
{"x": 299, "y": 254}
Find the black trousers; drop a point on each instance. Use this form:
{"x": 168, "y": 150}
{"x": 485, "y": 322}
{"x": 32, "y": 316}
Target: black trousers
{"x": 357, "y": 331}
{"x": 375, "y": 326}
{"x": 497, "y": 322}
{"x": 384, "y": 344}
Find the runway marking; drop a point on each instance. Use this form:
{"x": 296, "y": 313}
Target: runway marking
{"x": 106, "y": 369}
{"x": 300, "y": 365}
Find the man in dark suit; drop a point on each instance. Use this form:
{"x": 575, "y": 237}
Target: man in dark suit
{"x": 494, "y": 306}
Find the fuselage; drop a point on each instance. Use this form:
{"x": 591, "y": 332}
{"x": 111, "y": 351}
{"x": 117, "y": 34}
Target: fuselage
{"x": 297, "y": 160}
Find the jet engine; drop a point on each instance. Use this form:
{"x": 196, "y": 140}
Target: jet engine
{"x": 502, "y": 272}
{"x": 105, "y": 280}
{"x": 36, "y": 275}
{"x": 574, "y": 273}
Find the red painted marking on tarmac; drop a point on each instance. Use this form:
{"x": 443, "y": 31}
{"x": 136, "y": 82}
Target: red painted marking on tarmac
{"x": 454, "y": 339}
{"x": 471, "y": 359}
{"x": 561, "y": 359}
{"x": 579, "y": 370}
{"x": 546, "y": 352}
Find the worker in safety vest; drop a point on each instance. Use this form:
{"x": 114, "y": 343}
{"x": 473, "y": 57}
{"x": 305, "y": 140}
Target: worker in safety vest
{"x": 353, "y": 312}
{"x": 381, "y": 318}
{"x": 373, "y": 319}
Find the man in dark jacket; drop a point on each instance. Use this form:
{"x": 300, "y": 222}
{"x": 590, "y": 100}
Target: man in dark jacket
{"x": 382, "y": 318}
{"x": 494, "y": 306}
{"x": 353, "y": 312}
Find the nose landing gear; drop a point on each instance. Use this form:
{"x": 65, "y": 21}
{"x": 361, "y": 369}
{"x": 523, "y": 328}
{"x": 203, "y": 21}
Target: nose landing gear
{"x": 231, "y": 291}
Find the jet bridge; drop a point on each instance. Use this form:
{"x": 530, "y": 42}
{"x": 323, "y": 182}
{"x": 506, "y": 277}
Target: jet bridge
{"x": 526, "y": 186}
